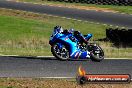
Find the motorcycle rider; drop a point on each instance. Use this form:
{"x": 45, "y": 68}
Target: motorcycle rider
{"x": 58, "y": 29}
{"x": 77, "y": 34}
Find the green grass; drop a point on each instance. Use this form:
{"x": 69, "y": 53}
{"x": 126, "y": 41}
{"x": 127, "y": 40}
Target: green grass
{"x": 27, "y": 34}
{"x": 124, "y": 9}
{"x": 7, "y": 87}
{"x": 19, "y": 35}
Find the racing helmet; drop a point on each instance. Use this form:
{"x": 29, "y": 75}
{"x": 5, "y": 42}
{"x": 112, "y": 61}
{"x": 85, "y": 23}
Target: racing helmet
{"x": 58, "y": 29}
{"x": 71, "y": 30}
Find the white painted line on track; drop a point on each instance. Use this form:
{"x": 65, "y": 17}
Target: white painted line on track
{"x": 111, "y": 25}
{"x": 8, "y": 55}
{"x": 61, "y": 78}
{"x": 123, "y": 27}
{"x": 80, "y": 20}
{"x": 117, "y": 26}
{"x": 105, "y": 58}
{"x": 46, "y": 56}
{"x": 105, "y": 24}
{"x": 65, "y": 18}
{"x": 97, "y": 23}
{"x": 70, "y": 7}
{"x": 52, "y": 57}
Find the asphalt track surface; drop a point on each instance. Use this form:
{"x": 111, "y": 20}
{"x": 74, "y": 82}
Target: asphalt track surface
{"x": 116, "y": 19}
{"x": 51, "y": 67}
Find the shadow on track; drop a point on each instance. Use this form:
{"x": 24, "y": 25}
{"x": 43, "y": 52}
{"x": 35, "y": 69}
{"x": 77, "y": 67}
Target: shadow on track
{"x": 47, "y": 58}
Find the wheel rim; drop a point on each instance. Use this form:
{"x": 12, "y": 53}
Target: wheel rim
{"x": 98, "y": 52}
{"x": 62, "y": 52}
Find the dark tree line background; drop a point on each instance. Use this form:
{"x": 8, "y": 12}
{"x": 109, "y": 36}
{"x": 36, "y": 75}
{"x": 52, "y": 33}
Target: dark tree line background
{"x": 104, "y": 2}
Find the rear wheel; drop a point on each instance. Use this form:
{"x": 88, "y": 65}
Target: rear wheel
{"x": 61, "y": 53}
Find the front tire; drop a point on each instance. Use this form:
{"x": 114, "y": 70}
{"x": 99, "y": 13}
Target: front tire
{"x": 97, "y": 54}
{"x": 60, "y": 54}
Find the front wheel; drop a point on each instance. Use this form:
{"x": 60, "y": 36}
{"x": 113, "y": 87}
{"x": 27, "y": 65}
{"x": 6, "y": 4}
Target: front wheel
{"x": 60, "y": 51}
{"x": 97, "y": 54}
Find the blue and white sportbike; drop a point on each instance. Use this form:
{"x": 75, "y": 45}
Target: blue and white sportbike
{"x": 72, "y": 45}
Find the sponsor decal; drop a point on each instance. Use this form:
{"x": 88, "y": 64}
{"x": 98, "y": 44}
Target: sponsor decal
{"x": 66, "y": 38}
{"x": 77, "y": 54}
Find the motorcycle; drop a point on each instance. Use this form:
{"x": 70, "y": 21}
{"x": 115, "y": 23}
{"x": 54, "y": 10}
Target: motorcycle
{"x": 63, "y": 45}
